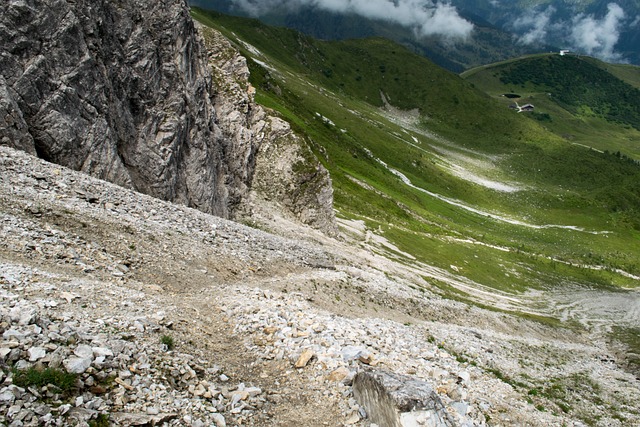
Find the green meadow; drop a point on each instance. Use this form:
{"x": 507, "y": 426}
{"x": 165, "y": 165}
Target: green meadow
{"x": 438, "y": 164}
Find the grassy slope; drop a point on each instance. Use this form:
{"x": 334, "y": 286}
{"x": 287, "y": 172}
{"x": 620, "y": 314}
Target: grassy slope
{"x": 580, "y": 99}
{"x": 342, "y": 81}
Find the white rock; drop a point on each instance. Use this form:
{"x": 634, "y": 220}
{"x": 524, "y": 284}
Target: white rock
{"x": 138, "y": 326}
{"x": 4, "y": 352}
{"x": 464, "y": 376}
{"x": 219, "y": 420}
{"x": 12, "y": 333}
{"x": 84, "y": 351}
{"x": 27, "y": 317}
{"x": 461, "y": 408}
{"x": 22, "y": 365}
{"x": 77, "y": 365}
{"x": 7, "y": 397}
{"x": 101, "y": 352}
{"x": 253, "y": 391}
{"x": 63, "y": 409}
{"x": 13, "y": 410}
{"x": 36, "y": 353}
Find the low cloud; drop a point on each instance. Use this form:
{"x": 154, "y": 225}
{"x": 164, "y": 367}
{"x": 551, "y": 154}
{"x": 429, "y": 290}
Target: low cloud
{"x": 535, "y": 25}
{"x": 425, "y": 17}
{"x": 599, "y": 37}
{"x": 583, "y": 33}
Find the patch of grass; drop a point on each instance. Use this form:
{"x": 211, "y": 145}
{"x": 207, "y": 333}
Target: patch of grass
{"x": 629, "y": 338}
{"x": 506, "y": 378}
{"x": 102, "y": 420}
{"x": 64, "y": 381}
{"x": 168, "y": 341}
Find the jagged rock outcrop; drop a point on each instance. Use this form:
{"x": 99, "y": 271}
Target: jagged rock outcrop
{"x": 395, "y": 400}
{"x": 124, "y": 91}
{"x": 120, "y": 90}
{"x": 285, "y": 169}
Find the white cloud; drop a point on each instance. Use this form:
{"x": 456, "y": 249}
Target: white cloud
{"x": 583, "y": 33}
{"x": 599, "y": 37}
{"x": 535, "y": 25}
{"x": 426, "y": 17}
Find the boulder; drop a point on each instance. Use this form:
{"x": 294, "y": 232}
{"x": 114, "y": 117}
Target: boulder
{"x": 395, "y": 400}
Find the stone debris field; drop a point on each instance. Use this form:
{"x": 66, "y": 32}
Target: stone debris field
{"x": 120, "y": 309}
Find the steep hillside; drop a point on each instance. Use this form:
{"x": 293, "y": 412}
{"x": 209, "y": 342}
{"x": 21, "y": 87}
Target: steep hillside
{"x": 440, "y": 174}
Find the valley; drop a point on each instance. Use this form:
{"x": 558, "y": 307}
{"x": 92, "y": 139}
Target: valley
{"x": 495, "y": 209}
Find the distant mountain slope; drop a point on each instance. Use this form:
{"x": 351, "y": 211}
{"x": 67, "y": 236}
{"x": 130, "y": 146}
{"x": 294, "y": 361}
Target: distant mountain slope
{"x": 607, "y": 29}
{"x": 487, "y": 43}
{"x": 374, "y": 69}
{"x": 580, "y": 98}
{"x": 579, "y": 86}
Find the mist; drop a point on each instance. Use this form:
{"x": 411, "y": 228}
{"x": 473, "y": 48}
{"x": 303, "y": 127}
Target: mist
{"x": 425, "y": 17}
{"x": 582, "y": 33}
{"x": 599, "y": 37}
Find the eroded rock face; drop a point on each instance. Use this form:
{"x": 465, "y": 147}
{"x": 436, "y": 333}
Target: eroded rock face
{"x": 285, "y": 170}
{"x": 122, "y": 91}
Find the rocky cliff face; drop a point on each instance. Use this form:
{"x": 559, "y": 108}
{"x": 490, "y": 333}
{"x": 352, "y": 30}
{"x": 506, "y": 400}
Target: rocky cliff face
{"x": 285, "y": 170}
{"x": 119, "y": 90}
{"x": 124, "y": 91}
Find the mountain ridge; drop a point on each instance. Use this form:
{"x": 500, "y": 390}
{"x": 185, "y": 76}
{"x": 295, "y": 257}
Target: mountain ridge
{"x": 501, "y": 30}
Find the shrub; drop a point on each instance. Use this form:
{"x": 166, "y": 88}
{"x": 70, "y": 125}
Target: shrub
{"x": 101, "y": 421}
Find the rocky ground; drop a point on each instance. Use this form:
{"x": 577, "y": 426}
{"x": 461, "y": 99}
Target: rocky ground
{"x": 143, "y": 312}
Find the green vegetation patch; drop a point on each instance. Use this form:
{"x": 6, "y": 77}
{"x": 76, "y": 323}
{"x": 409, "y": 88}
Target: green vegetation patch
{"x": 630, "y": 340}
{"x": 579, "y": 86}
{"x": 168, "y": 341}
{"x": 33, "y": 377}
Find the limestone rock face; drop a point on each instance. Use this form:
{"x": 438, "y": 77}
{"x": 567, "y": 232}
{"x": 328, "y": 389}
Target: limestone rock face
{"x": 124, "y": 91}
{"x": 285, "y": 169}
{"x": 120, "y": 90}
